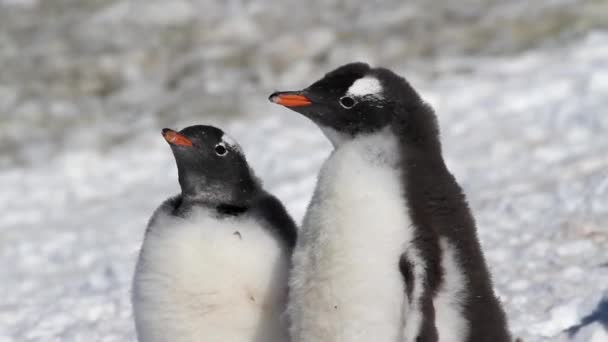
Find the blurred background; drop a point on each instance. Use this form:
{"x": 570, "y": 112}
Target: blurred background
{"x": 520, "y": 89}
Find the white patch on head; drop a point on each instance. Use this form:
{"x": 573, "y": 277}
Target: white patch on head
{"x": 449, "y": 302}
{"x": 345, "y": 282}
{"x": 205, "y": 279}
{"x": 365, "y": 86}
{"x": 226, "y": 139}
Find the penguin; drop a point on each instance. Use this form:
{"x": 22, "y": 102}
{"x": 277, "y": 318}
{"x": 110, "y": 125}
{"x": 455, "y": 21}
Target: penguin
{"x": 388, "y": 249}
{"x": 215, "y": 258}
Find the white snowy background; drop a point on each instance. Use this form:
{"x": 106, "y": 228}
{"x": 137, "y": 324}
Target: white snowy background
{"x": 520, "y": 88}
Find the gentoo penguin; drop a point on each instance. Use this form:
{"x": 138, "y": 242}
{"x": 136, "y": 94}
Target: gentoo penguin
{"x": 215, "y": 258}
{"x": 388, "y": 250}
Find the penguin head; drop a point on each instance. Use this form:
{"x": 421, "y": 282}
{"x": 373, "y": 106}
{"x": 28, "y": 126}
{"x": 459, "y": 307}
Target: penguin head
{"x": 211, "y": 166}
{"x": 351, "y": 100}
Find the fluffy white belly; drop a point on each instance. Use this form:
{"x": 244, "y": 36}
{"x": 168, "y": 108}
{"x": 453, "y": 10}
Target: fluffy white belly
{"x": 210, "y": 281}
{"x": 345, "y": 283}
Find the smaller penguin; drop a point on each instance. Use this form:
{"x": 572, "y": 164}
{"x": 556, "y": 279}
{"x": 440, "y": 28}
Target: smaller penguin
{"x": 215, "y": 259}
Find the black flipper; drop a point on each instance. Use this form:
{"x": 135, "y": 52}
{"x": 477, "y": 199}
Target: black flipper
{"x": 428, "y": 329}
{"x": 170, "y": 207}
{"x": 271, "y": 210}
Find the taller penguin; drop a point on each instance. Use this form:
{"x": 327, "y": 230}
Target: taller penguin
{"x": 388, "y": 250}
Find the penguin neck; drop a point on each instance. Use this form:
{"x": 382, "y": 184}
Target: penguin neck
{"x": 379, "y": 147}
{"x": 222, "y": 208}
{"x": 335, "y": 138}
{"x": 230, "y": 200}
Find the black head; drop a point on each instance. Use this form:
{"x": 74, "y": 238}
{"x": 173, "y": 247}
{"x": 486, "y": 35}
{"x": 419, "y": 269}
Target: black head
{"x": 353, "y": 99}
{"x": 211, "y": 166}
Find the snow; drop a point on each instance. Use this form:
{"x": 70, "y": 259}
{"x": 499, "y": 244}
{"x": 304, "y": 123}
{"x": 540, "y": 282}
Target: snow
{"x": 83, "y": 164}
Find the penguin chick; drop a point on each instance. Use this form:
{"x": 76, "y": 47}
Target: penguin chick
{"x": 388, "y": 249}
{"x": 214, "y": 262}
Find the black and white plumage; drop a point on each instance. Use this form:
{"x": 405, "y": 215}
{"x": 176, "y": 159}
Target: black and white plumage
{"x": 388, "y": 250}
{"x": 214, "y": 263}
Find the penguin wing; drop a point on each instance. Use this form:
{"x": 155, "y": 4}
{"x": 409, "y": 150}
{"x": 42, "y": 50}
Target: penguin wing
{"x": 406, "y": 268}
{"x": 170, "y": 207}
{"x": 272, "y": 211}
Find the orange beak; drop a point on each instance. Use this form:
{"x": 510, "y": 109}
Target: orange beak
{"x": 175, "y": 138}
{"x": 290, "y": 100}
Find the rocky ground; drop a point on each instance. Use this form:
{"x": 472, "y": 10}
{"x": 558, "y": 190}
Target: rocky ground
{"x": 520, "y": 88}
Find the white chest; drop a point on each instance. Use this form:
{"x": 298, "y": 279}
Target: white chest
{"x": 210, "y": 280}
{"x": 346, "y": 284}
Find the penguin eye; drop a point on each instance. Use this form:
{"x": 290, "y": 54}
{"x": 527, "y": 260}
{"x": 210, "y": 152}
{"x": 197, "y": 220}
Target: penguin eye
{"x": 221, "y": 150}
{"x": 347, "y": 102}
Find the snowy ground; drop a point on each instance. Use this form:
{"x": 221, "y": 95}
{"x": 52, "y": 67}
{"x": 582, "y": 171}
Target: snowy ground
{"x": 83, "y": 165}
